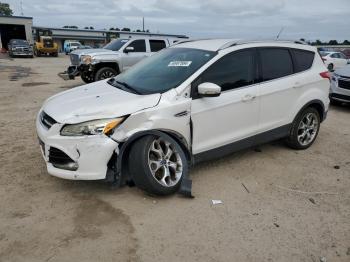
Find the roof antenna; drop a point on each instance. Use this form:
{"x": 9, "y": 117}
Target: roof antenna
{"x": 21, "y": 8}
{"x": 279, "y": 33}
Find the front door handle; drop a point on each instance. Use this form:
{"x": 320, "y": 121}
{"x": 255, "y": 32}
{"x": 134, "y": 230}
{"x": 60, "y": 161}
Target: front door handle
{"x": 248, "y": 97}
{"x": 297, "y": 85}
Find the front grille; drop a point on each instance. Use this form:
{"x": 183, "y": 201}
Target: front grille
{"x": 22, "y": 49}
{"x": 47, "y": 120}
{"x": 344, "y": 84}
{"x": 74, "y": 59}
{"x": 59, "y": 159}
{"x": 48, "y": 43}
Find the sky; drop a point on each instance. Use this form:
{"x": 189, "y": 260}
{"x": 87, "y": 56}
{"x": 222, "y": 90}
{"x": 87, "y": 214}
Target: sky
{"x": 244, "y": 19}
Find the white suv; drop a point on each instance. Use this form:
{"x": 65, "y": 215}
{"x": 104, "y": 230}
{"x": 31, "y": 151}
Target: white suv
{"x": 191, "y": 102}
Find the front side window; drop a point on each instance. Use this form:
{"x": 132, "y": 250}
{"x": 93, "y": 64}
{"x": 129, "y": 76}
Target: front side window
{"x": 115, "y": 45}
{"x": 232, "y": 71}
{"x": 275, "y": 63}
{"x": 157, "y": 45}
{"x": 303, "y": 60}
{"x": 164, "y": 70}
{"x": 335, "y": 55}
{"x": 138, "y": 45}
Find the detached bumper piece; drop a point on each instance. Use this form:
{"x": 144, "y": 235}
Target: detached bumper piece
{"x": 61, "y": 160}
{"x": 70, "y": 74}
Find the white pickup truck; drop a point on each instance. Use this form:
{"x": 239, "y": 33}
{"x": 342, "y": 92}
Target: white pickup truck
{"x": 114, "y": 58}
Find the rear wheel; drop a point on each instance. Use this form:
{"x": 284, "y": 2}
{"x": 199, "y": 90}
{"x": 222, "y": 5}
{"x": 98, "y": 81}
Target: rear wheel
{"x": 105, "y": 73}
{"x": 157, "y": 165}
{"x": 305, "y": 129}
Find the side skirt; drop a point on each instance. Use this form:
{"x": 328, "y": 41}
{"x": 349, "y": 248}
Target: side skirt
{"x": 259, "y": 139}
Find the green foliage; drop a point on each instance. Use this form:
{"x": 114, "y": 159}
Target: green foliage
{"x": 5, "y": 9}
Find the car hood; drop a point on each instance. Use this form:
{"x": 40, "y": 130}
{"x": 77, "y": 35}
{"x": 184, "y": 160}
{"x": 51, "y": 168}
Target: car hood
{"x": 97, "y": 100}
{"x": 94, "y": 51}
{"x": 343, "y": 71}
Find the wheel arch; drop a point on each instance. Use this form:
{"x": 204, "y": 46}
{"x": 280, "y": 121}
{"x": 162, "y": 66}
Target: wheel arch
{"x": 124, "y": 150}
{"x": 318, "y": 105}
{"x": 113, "y": 65}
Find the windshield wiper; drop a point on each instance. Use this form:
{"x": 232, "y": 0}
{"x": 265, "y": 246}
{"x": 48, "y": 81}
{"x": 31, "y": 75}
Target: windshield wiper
{"x": 124, "y": 86}
{"x": 128, "y": 87}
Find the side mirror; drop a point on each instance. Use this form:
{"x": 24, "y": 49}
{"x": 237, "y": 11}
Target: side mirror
{"x": 209, "y": 90}
{"x": 129, "y": 49}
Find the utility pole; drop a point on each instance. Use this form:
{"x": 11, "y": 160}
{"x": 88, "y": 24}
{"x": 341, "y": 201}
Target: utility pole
{"x": 143, "y": 24}
{"x": 21, "y": 8}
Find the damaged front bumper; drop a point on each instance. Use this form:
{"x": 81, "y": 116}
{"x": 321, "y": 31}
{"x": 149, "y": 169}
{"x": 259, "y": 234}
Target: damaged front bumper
{"x": 75, "y": 158}
{"x": 70, "y": 73}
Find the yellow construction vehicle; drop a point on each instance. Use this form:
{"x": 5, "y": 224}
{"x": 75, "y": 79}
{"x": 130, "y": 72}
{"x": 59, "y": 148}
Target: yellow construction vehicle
{"x": 44, "y": 44}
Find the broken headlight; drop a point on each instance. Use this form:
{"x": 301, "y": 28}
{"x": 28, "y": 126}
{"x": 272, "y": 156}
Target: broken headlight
{"x": 95, "y": 127}
{"x": 86, "y": 59}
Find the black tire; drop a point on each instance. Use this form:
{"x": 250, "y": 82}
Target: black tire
{"x": 331, "y": 67}
{"x": 140, "y": 168}
{"x": 105, "y": 73}
{"x": 293, "y": 141}
{"x": 87, "y": 78}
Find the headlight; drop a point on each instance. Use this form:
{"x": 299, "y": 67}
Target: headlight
{"x": 86, "y": 59}
{"x": 95, "y": 127}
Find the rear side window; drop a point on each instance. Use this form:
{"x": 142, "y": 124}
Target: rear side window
{"x": 303, "y": 60}
{"x": 138, "y": 45}
{"x": 157, "y": 45}
{"x": 275, "y": 63}
{"x": 231, "y": 71}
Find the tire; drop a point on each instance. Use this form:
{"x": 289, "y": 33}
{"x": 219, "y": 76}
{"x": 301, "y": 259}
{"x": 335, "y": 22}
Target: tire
{"x": 304, "y": 129}
{"x": 105, "y": 73}
{"x": 331, "y": 67}
{"x": 87, "y": 78}
{"x": 153, "y": 169}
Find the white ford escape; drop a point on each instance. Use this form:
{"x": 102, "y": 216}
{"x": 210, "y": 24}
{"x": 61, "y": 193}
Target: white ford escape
{"x": 188, "y": 103}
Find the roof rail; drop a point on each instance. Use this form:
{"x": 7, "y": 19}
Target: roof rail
{"x": 241, "y": 42}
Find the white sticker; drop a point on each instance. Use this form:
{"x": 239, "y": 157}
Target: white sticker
{"x": 180, "y": 63}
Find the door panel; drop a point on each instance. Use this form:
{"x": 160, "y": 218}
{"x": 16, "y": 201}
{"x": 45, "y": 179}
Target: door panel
{"x": 140, "y": 52}
{"x": 232, "y": 116}
{"x": 278, "y": 90}
{"x": 218, "y": 121}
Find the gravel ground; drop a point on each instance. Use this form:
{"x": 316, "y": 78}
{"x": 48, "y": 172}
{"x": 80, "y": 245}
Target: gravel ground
{"x": 278, "y": 204}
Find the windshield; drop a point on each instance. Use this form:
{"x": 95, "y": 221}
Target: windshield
{"x": 19, "y": 42}
{"x": 164, "y": 70}
{"x": 115, "y": 45}
{"x": 75, "y": 44}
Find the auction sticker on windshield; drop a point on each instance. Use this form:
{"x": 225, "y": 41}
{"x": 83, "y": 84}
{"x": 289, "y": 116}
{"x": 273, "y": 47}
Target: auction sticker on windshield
{"x": 180, "y": 63}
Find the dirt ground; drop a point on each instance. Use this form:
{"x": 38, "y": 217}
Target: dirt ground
{"x": 295, "y": 207}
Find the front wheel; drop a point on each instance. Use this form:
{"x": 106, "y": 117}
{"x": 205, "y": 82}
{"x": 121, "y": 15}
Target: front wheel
{"x": 105, "y": 73}
{"x": 157, "y": 165}
{"x": 87, "y": 78}
{"x": 304, "y": 129}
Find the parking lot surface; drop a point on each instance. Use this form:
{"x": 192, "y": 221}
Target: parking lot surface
{"x": 277, "y": 204}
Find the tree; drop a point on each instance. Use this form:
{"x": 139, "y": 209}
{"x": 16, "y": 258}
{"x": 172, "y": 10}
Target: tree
{"x": 5, "y": 9}
{"x": 86, "y": 27}
{"x": 112, "y": 28}
{"x": 333, "y": 42}
{"x": 318, "y": 42}
{"x": 126, "y": 29}
{"x": 346, "y": 42}
{"x": 91, "y": 28}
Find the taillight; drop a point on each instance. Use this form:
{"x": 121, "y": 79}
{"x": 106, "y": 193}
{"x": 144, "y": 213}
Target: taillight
{"x": 326, "y": 74}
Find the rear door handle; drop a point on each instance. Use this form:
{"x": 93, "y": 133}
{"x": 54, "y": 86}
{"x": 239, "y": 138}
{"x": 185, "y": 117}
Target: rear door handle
{"x": 248, "y": 97}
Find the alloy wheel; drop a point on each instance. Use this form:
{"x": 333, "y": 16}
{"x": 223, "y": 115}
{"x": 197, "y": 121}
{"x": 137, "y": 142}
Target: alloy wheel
{"x": 307, "y": 129}
{"x": 165, "y": 163}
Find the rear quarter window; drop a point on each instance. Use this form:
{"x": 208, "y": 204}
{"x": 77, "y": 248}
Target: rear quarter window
{"x": 303, "y": 60}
